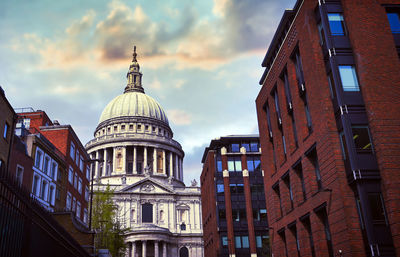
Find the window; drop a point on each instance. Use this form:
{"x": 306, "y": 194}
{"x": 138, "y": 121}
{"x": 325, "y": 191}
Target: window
{"x": 122, "y": 127}
{"x": 343, "y": 143}
{"x": 245, "y": 241}
{"x": 73, "y": 203}
{"x": 224, "y": 240}
{"x": 35, "y": 185}
{"x": 282, "y": 235}
{"x": 266, "y": 108}
{"x": 115, "y": 129}
{"x": 81, "y": 164}
{"x": 336, "y": 24}
{"x": 275, "y": 187}
{"x": 394, "y": 21}
{"x": 235, "y": 148}
{"x": 299, "y": 72}
{"x": 324, "y": 218}
{"x": 80, "y": 185}
{"x": 284, "y": 144}
{"x": 147, "y": 213}
{"x": 78, "y": 209}
{"x": 234, "y": 164}
{"x": 38, "y": 158}
{"x": 349, "y": 78}
{"x": 71, "y": 175}
{"x": 263, "y": 214}
{"x": 362, "y": 139}
{"x": 307, "y": 225}
{"x": 314, "y": 160}
{"x": 85, "y": 215}
{"x": 87, "y": 193}
{"x": 43, "y": 191}
{"x": 19, "y": 174}
{"x": 76, "y": 181}
{"x": 308, "y": 114}
{"x": 58, "y": 193}
{"x": 298, "y": 168}
{"x": 254, "y": 147}
{"x": 52, "y": 195}
{"x": 54, "y": 170}
{"x": 238, "y": 242}
{"x": 183, "y": 226}
{"x": 220, "y": 188}
{"x": 286, "y": 179}
{"x": 277, "y": 109}
{"x": 222, "y": 214}
{"x": 246, "y": 146}
{"x": 287, "y": 91}
{"x": 131, "y": 127}
{"x": 72, "y": 151}
{"x": 77, "y": 158}
{"x": 253, "y": 163}
{"x": 219, "y": 164}
{"x": 68, "y": 201}
{"x": 293, "y": 229}
{"x": 377, "y": 209}
{"x": 46, "y": 165}
{"x": 88, "y": 172}
{"x": 5, "y": 131}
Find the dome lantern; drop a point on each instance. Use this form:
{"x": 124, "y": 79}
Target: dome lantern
{"x": 134, "y": 76}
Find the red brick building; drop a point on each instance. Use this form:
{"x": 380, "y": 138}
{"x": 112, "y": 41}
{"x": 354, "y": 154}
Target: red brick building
{"x": 329, "y": 124}
{"x": 233, "y": 200}
{"x": 74, "y": 172}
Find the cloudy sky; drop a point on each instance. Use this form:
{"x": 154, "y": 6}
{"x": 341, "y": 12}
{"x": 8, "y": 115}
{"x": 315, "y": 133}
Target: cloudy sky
{"x": 201, "y": 60}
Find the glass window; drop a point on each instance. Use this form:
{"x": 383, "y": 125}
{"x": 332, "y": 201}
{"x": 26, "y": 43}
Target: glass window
{"x": 85, "y": 215}
{"x": 224, "y": 240}
{"x": 362, "y": 139}
{"x": 240, "y": 188}
{"x": 78, "y": 209}
{"x": 80, "y": 186}
{"x": 221, "y": 214}
{"x": 71, "y": 175}
{"x": 219, "y": 165}
{"x": 76, "y": 181}
{"x": 258, "y": 242}
{"x": 54, "y": 170}
{"x": 336, "y": 24}
{"x": 68, "y": 203}
{"x": 246, "y": 146}
{"x": 349, "y": 78}
{"x": 72, "y": 151}
{"x": 235, "y": 148}
{"x": 231, "y": 165}
{"x": 35, "y": 185}
{"x": 234, "y": 164}
{"x": 20, "y": 174}
{"x": 254, "y": 147}
{"x": 81, "y": 163}
{"x": 238, "y": 242}
{"x": 256, "y": 214}
{"x": 233, "y": 188}
{"x": 51, "y": 195}
{"x": 220, "y": 188}
{"x": 263, "y": 214}
{"x": 38, "y": 159}
{"x": 87, "y": 193}
{"x": 46, "y": 165}
{"x": 394, "y": 21}
{"x": 238, "y": 164}
{"x": 245, "y": 241}
{"x": 88, "y": 172}
{"x": 5, "y": 131}
{"x": 250, "y": 164}
{"x": 147, "y": 212}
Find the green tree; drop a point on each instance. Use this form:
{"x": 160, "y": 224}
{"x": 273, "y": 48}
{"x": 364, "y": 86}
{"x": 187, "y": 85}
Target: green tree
{"x": 104, "y": 221}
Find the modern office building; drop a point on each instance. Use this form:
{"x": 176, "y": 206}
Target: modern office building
{"x": 233, "y": 199}
{"x": 142, "y": 163}
{"x": 329, "y": 125}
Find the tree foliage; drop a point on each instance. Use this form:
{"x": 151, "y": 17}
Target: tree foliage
{"x": 104, "y": 221}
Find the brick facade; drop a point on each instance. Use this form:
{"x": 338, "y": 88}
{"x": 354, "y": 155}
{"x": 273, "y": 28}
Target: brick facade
{"x": 316, "y": 189}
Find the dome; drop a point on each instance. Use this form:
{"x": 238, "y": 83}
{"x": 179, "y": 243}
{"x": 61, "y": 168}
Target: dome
{"x": 133, "y": 104}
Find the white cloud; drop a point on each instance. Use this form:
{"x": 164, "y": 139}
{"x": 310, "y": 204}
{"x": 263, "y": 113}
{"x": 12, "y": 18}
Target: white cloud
{"x": 179, "y": 117}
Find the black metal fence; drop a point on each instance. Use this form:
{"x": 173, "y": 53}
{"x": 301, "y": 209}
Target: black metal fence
{"x": 28, "y": 230}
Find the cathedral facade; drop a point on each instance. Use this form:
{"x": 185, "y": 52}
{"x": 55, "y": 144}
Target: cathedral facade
{"x": 142, "y": 163}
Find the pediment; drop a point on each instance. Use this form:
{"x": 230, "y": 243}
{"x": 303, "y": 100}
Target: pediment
{"x": 147, "y": 186}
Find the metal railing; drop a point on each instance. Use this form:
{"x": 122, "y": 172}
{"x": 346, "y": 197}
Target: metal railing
{"x": 26, "y": 229}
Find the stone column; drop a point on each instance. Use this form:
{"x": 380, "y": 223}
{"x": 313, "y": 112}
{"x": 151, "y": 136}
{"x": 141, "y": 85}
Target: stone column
{"x": 113, "y": 160}
{"x": 155, "y": 161}
{"x": 171, "y": 165}
{"x": 176, "y": 167}
{"x": 96, "y": 167}
{"x": 124, "y": 159}
{"x": 133, "y": 249}
{"x": 144, "y": 158}
{"x": 134, "y": 160}
{"x": 144, "y": 249}
{"x": 164, "y": 162}
{"x": 105, "y": 164}
{"x": 180, "y": 169}
{"x": 156, "y": 251}
{"x": 164, "y": 251}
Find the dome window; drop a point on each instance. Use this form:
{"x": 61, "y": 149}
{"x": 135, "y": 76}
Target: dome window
{"x": 147, "y": 127}
{"x": 139, "y": 127}
{"x": 122, "y": 127}
{"x": 131, "y": 127}
{"x": 115, "y": 128}
{"x": 154, "y": 129}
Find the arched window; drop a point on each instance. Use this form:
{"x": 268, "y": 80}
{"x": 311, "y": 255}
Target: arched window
{"x": 147, "y": 213}
{"x": 184, "y": 252}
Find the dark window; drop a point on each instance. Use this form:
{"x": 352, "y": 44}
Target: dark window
{"x": 233, "y": 188}
{"x": 348, "y": 77}
{"x": 314, "y": 160}
{"x": 287, "y": 183}
{"x": 308, "y": 114}
{"x": 268, "y": 121}
{"x": 219, "y": 165}
{"x": 377, "y": 208}
{"x": 184, "y": 252}
{"x": 283, "y": 238}
{"x": 307, "y": 226}
{"x": 332, "y": 86}
{"x": 299, "y": 72}
{"x": 284, "y": 144}
{"x": 240, "y": 188}
{"x": 221, "y": 214}
{"x": 147, "y": 213}
{"x": 325, "y": 221}
{"x": 321, "y": 34}
{"x": 277, "y": 109}
{"x": 293, "y": 229}
{"x": 278, "y": 194}
{"x": 287, "y": 91}
{"x": 263, "y": 214}
{"x": 344, "y": 145}
{"x": 360, "y": 212}
{"x": 235, "y": 148}
{"x": 5, "y": 131}
{"x": 362, "y": 139}
{"x": 336, "y": 24}
{"x": 183, "y": 226}
{"x": 299, "y": 170}
{"x": 394, "y": 21}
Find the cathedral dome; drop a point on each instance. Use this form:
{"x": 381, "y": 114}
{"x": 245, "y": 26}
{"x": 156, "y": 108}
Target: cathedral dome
{"x": 133, "y": 103}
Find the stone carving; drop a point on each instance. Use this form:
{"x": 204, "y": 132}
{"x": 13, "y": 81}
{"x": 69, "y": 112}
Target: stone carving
{"x": 147, "y": 188}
